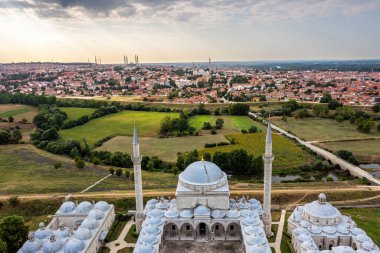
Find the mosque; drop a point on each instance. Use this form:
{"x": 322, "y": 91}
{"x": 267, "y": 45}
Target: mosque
{"x": 203, "y": 210}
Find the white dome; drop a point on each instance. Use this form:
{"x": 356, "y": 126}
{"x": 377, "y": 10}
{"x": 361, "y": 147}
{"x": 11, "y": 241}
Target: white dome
{"x": 308, "y": 245}
{"x": 202, "y": 211}
{"x": 251, "y": 221}
{"x": 156, "y": 213}
{"x": 218, "y": 214}
{"x": 149, "y": 239}
{"x": 321, "y": 210}
{"x": 31, "y": 246}
{"x": 96, "y": 214}
{"x": 152, "y": 201}
{"x": 363, "y": 238}
{"x": 300, "y": 231}
{"x": 154, "y": 221}
{"x": 249, "y": 213}
{"x": 187, "y": 213}
{"x": 84, "y": 207}
{"x": 52, "y": 246}
{"x": 258, "y": 249}
{"x": 144, "y": 248}
{"x": 171, "y": 214}
{"x": 369, "y": 245}
{"x": 62, "y": 233}
{"x": 151, "y": 230}
{"x": 315, "y": 229}
{"x": 357, "y": 231}
{"x": 304, "y": 238}
{"x": 43, "y": 232}
{"x": 254, "y": 230}
{"x": 73, "y": 246}
{"x": 89, "y": 223}
{"x": 329, "y": 229}
{"x": 82, "y": 234}
{"x": 343, "y": 229}
{"x": 202, "y": 172}
{"x": 66, "y": 207}
{"x": 233, "y": 214}
{"x": 256, "y": 240}
{"x": 102, "y": 206}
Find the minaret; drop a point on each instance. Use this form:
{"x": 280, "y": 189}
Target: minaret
{"x": 268, "y": 158}
{"x": 136, "y": 159}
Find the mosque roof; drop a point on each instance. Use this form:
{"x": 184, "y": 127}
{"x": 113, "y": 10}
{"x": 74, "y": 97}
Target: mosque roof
{"x": 202, "y": 172}
{"x": 321, "y": 209}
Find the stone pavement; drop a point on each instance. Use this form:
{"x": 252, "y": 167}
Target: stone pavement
{"x": 277, "y": 245}
{"x": 119, "y": 243}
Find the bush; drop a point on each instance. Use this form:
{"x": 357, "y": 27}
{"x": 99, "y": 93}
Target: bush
{"x": 14, "y": 201}
{"x": 127, "y": 173}
{"x": 57, "y": 165}
{"x": 206, "y": 126}
{"x": 79, "y": 162}
{"x": 223, "y": 143}
{"x": 252, "y": 129}
{"x": 111, "y": 170}
{"x": 213, "y": 131}
{"x": 329, "y": 179}
{"x": 210, "y": 145}
{"x": 119, "y": 172}
{"x": 244, "y": 131}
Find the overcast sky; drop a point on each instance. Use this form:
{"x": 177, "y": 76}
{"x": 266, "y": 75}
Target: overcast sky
{"x": 186, "y": 31}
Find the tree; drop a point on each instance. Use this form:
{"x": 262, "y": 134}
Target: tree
{"x": 252, "y": 129}
{"x": 119, "y": 172}
{"x": 376, "y": 107}
{"x": 333, "y": 104}
{"x": 348, "y": 156}
{"x": 96, "y": 161}
{"x": 219, "y": 123}
{"x": 14, "y": 232}
{"x": 4, "y": 137}
{"x": 79, "y": 162}
{"x": 74, "y": 152}
{"x": 326, "y": 98}
{"x": 175, "y": 170}
{"x": 320, "y": 110}
{"x": 14, "y": 201}
{"x": 10, "y": 119}
{"x": 111, "y": 170}
{"x": 3, "y": 247}
{"x": 150, "y": 165}
{"x": 239, "y": 109}
{"x": 206, "y": 126}
{"x": 127, "y": 173}
{"x": 49, "y": 135}
{"x": 57, "y": 165}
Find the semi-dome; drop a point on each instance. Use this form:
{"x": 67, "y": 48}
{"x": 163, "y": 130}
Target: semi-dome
{"x": 89, "y": 223}
{"x": 82, "y": 234}
{"x": 73, "y": 246}
{"x": 31, "y": 245}
{"x": 202, "y": 172}
{"x": 343, "y": 229}
{"x": 52, "y": 246}
{"x": 102, "y": 206}
{"x": 329, "y": 229}
{"x": 43, "y": 232}
{"x": 84, "y": 207}
{"x": 96, "y": 214}
{"x": 66, "y": 207}
{"x": 315, "y": 229}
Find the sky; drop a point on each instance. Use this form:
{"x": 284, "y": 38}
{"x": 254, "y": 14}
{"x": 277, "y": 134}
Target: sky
{"x": 188, "y": 31}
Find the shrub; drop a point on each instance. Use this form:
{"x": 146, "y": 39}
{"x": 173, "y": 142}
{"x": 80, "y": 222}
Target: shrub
{"x": 206, "y": 126}
{"x": 79, "y": 162}
{"x": 111, "y": 170}
{"x": 252, "y": 129}
{"x": 329, "y": 179}
{"x": 14, "y": 201}
{"x": 127, "y": 173}
{"x": 223, "y": 143}
{"x": 213, "y": 131}
{"x": 210, "y": 145}
{"x": 119, "y": 172}
{"x": 244, "y": 131}
{"x": 57, "y": 165}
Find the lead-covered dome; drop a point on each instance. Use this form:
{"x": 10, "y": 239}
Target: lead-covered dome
{"x": 202, "y": 172}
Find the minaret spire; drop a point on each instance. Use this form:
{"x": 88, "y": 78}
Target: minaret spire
{"x": 136, "y": 159}
{"x": 268, "y": 158}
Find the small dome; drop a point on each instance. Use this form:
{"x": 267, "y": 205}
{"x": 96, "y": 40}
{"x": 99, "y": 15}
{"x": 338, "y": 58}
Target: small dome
{"x": 308, "y": 245}
{"x": 43, "y": 232}
{"x": 53, "y": 245}
{"x": 305, "y": 223}
{"x": 187, "y": 213}
{"x": 89, "y": 223}
{"x": 96, "y": 214}
{"x": 82, "y": 234}
{"x": 258, "y": 249}
{"x": 102, "y": 206}
{"x": 343, "y": 229}
{"x": 296, "y": 217}
{"x": 66, "y": 207}
{"x": 357, "y": 231}
{"x": 171, "y": 214}
{"x": 154, "y": 221}
{"x": 144, "y": 248}
{"x": 31, "y": 246}
{"x": 249, "y": 213}
{"x": 344, "y": 249}
{"x": 202, "y": 211}
{"x": 251, "y": 221}
{"x": 243, "y": 204}
{"x": 202, "y": 172}
{"x": 151, "y": 230}
{"x": 300, "y": 231}
{"x": 218, "y": 214}
{"x": 304, "y": 238}
{"x": 329, "y": 229}
{"x": 156, "y": 213}
{"x": 256, "y": 240}
{"x": 83, "y": 208}
{"x": 368, "y": 245}
{"x": 152, "y": 202}
{"x": 150, "y": 239}
{"x": 62, "y": 232}
{"x": 162, "y": 204}
{"x": 363, "y": 238}
{"x": 315, "y": 229}
{"x": 73, "y": 246}
{"x": 233, "y": 214}
{"x": 254, "y": 230}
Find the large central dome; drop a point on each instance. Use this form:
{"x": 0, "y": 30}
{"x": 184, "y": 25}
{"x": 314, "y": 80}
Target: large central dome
{"x": 202, "y": 172}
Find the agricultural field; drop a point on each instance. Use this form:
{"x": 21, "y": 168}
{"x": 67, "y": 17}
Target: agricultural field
{"x": 148, "y": 125}
{"x": 317, "y": 129}
{"x": 28, "y": 170}
{"x": 18, "y": 112}
{"x": 231, "y": 123}
{"x": 165, "y": 148}
{"x": 74, "y": 113}
{"x": 287, "y": 154}
{"x": 364, "y": 150}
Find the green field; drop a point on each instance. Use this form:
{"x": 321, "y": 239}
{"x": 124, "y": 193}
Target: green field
{"x": 147, "y": 123}
{"x": 75, "y": 112}
{"x": 231, "y": 123}
{"x": 18, "y": 112}
{"x": 317, "y": 129}
{"x": 166, "y": 148}
{"x": 286, "y": 153}
{"x": 25, "y": 169}
{"x": 368, "y": 219}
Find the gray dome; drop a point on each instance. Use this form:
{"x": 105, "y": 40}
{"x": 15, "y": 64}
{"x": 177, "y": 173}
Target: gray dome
{"x": 202, "y": 172}
{"x": 155, "y": 221}
{"x": 31, "y": 246}
{"x": 52, "y": 246}
{"x": 62, "y": 233}
{"x": 84, "y": 207}
{"x": 43, "y": 232}
{"x": 363, "y": 238}
{"x": 66, "y": 207}
{"x": 256, "y": 240}
{"x": 254, "y": 230}
{"x": 329, "y": 229}
{"x": 156, "y": 213}
{"x": 73, "y": 246}
{"x": 102, "y": 206}
{"x": 321, "y": 210}
{"x": 145, "y": 248}
{"x": 151, "y": 230}
{"x": 249, "y": 213}
{"x": 258, "y": 249}
{"x": 201, "y": 210}
{"x": 149, "y": 239}
{"x": 218, "y": 214}
{"x": 304, "y": 238}
{"x": 89, "y": 223}
{"x": 187, "y": 213}
{"x": 82, "y": 234}
{"x": 171, "y": 214}
{"x": 96, "y": 214}
{"x": 357, "y": 231}
{"x": 251, "y": 221}
{"x": 315, "y": 229}
{"x": 233, "y": 214}
{"x": 300, "y": 231}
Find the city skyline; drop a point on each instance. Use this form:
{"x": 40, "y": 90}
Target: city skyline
{"x": 187, "y": 31}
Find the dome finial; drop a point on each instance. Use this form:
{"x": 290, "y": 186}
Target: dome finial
{"x": 322, "y": 198}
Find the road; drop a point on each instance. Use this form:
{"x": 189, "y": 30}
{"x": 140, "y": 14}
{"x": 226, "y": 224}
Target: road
{"x": 343, "y": 164}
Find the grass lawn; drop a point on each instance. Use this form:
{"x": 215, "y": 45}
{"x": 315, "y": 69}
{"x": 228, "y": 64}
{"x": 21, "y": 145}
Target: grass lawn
{"x": 125, "y": 250}
{"x": 18, "y": 112}
{"x": 76, "y": 112}
{"x": 130, "y": 238}
{"x": 148, "y": 125}
{"x": 116, "y": 228}
{"x": 164, "y": 148}
{"x": 231, "y": 123}
{"x": 28, "y": 170}
{"x": 286, "y": 153}
{"x": 284, "y": 246}
{"x": 368, "y": 219}
{"x": 317, "y": 129}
